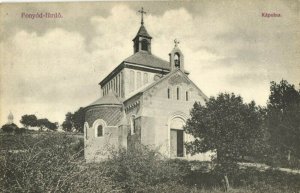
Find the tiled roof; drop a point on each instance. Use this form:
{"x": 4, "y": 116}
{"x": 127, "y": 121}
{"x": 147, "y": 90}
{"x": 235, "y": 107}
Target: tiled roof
{"x": 112, "y": 115}
{"x": 143, "y": 32}
{"x": 147, "y": 59}
{"x": 109, "y": 99}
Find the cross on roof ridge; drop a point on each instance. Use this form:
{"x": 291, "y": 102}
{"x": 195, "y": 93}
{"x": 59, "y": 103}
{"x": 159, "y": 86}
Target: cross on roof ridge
{"x": 142, "y": 15}
{"x": 176, "y": 42}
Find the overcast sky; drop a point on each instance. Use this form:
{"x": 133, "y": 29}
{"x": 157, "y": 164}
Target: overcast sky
{"x": 51, "y": 66}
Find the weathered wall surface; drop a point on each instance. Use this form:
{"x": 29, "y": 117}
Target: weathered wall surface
{"x": 127, "y": 76}
{"x": 97, "y": 148}
{"x": 158, "y": 111}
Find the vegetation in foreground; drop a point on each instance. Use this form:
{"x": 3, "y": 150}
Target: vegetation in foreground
{"x": 53, "y": 162}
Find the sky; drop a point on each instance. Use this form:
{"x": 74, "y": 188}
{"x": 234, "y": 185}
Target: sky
{"x": 49, "y": 67}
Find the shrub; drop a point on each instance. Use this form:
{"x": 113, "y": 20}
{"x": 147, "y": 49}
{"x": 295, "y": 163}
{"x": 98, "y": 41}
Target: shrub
{"x": 9, "y": 128}
{"x": 141, "y": 168}
{"x": 267, "y": 181}
{"x": 53, "y": 162}
{"x": 49, "y": 163}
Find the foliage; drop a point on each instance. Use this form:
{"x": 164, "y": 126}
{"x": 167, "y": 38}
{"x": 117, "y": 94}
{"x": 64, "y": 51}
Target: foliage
{"x": 33, "y": 121}
{"x": 267, "y": 181}
{"x": 68, "y": 123}
{"x": 227, "y": 126}
{"x": 79, "y": 119}
{"x": 49, "y": 163}
{"x": 46, "y": 124}
{"x": 74, "y": 120}
{"x": 141, "y": 168}
{"x": 53, "y": 162}
{"x": 283, "y": 120}
{"x": 9, "y": 128}
{"x": 20, "y": 130}
{"x": 29, "y": 120}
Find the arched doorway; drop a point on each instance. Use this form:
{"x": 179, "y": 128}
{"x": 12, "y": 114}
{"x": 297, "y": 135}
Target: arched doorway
{"x": 177, "y": 137}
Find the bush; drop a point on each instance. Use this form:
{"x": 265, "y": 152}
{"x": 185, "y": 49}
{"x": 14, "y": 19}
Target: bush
{"x": 267, "y": 181}
{"x": 49, "y": 163}
{"x": 53, "y": 162}
{"x": 9, "y": 128}
{"x": 141, "y": 168}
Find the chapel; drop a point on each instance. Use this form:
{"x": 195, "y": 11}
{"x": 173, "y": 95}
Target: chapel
{"x": 146, "y": 100}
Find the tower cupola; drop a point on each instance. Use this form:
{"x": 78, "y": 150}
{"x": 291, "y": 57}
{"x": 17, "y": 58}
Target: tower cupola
{"x": 142, "y": 40}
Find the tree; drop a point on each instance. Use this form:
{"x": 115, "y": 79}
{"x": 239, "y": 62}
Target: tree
{"x": 226, "y": 126}
{"x": 283, "y": 120}
{"x": 29, "y": 120}
{"x": 68, "y": 123}
{"x": 9, "y": 128}
{"x": 74, "y": 120}
{"x": 79, "y": 118}
{"x": 45, "y": 123}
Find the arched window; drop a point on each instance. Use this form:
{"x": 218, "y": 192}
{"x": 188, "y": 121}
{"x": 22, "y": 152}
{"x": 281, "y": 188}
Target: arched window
{"x": 177, "y": 60}
{"x": 131, "y": 82}
{"x": 186, "y": 95}
{"x": 117, "y": 85}
{"x": 114, "y": 84}
{"x": 139, "y": 79}
{"x": 132, "y": 124}
{"x": 178, "y": 93}
{"x": 145, "y": 78}
{"x": 121, "y": 85}
{"x": 100, "y": 131}
{"x": 99, "y": 127}
{"x": 144, "y": 45}
{"x": 169, "y": 93}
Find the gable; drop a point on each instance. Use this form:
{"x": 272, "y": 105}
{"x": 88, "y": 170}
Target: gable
{"x": 172, "y": 81}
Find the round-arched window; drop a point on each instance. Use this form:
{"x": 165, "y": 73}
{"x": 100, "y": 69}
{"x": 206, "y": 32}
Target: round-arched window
{"x": 177, "y": 60}
{"x": 99, "y": 127}
{"x": 100, "y": 131}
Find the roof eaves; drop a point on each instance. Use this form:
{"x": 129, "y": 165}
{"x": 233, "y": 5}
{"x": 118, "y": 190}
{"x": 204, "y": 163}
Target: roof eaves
{"x": 134, "y": 95}
{"x": 112, "y": 73}
{"x": 146, "y": 66}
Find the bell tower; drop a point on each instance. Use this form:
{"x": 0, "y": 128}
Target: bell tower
{"x": 176, "y": 58}
{"x": 142, "y": 40}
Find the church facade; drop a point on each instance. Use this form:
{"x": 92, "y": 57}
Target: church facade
{"x": 144, "y": 100}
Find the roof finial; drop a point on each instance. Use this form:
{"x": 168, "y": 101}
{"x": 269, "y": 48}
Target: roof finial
{"x": 142, "y": 15}
{"x": 176, "y": 42}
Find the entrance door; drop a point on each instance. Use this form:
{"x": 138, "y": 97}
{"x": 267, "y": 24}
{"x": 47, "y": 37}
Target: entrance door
{"x": 176, "y": 142}
{"x": 177, "y": 137}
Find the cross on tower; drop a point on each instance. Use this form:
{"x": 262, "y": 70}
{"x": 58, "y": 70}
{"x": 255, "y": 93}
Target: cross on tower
{"x": 142, "y": 15}
{"x": 176, "y": 42}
